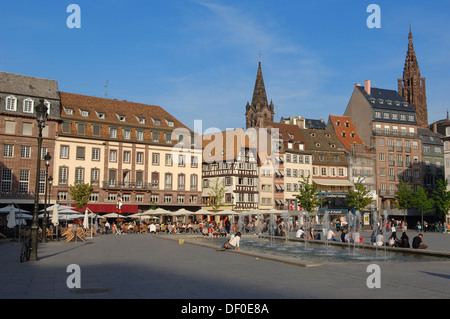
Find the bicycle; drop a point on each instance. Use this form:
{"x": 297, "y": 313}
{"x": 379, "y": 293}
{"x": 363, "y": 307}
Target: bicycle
{"x": 26, "y": 249}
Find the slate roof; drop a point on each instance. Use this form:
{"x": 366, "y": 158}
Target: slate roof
{"x": 28, "y": 86}
{"x": 386, "y": 99}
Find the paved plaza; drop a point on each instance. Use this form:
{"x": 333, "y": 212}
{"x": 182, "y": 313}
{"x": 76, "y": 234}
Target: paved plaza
{"x": 153, "y": 266}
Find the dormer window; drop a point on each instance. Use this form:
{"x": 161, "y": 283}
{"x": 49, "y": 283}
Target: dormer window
{"x": 388, "y": 102}
{"x": 338, "y": 123}
{"x": 156, "y": 122}
{"x": 313, "y": 134}
{"x": 333, "y": 145}
{"x": 397, "y": 103}
{"x": 84, "y": 113}
{"x": 380, "y": 101}
{"x": 101, "y": 116}
{"x": 28, "y": 105}
{"x": 11, "y": 103}
{"x": 68, "y": 111}
{"x": 328, "y": 135}
{"x": 141, "y": 120}
{"x": 317, "y": 144}
{"x": 405, "y": 104}
{"x": 347, "y": 124}
{"x": 170, "y": 123}
{"x": 121, "y": 118}
{"x": 352, "y": 134}
{"x": 343, "y": 134}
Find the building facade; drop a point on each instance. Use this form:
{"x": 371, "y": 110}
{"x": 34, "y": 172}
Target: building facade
{"x": 387, "y": 123}
{"x": 19, "y": 132}
{"x": 134, "y": 152}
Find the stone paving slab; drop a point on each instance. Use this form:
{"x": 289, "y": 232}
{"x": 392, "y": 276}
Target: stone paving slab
{"x": 152, "y": 267}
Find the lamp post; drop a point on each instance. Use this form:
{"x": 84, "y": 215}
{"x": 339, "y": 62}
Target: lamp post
{"x": 47, "y": 159}
{"x": 41, "y": 117}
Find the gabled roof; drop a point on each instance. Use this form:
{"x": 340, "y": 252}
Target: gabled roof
{"x": 122, "y": 113}
{"x": 290, "y": 133}
{"x": 346, "y": 132}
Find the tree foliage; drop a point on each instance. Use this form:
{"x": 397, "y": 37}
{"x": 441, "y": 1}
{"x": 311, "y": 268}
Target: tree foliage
{"x": 308, "y": 198}
{"x": 359, "y": 197}
{"x": 441, "y": 197}
{"x": 422, "y": 202}
{"x": 217, "y": 194}
{"x": 403, "y": 198}
{"x": 80, "y": 194}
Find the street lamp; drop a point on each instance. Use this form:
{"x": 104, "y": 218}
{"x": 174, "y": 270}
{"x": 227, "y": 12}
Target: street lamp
{"x": 47, "y": 159}
{"x": 41, "y": 117}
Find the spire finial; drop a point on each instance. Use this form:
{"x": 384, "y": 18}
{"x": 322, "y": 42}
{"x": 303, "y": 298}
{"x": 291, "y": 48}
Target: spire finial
{"x": 260, "y": 56}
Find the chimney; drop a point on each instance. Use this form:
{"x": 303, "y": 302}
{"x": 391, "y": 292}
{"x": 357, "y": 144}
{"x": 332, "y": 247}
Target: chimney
{"x": 367, "y": 86}
{"x": 357, "y": 84}
{"x": 435, "y": 127}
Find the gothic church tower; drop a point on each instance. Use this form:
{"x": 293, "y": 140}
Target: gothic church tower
{"x": 259, "y": 110}
{"x": 412, "y": 87}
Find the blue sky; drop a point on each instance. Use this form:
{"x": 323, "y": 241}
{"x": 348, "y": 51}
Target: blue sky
{"x": 198, "y": 59}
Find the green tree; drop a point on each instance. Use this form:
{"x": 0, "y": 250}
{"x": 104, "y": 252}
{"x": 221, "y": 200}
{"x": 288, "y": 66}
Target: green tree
{"x": 359, "y": 197}
{"x": 217, "y": 195}
{"x": 422, "y": 202}
{"x": 308, "y": 198}
{"x": 403, "y": 198}
{"x": 441, "y": 197}
{"x": 80, "y": 194}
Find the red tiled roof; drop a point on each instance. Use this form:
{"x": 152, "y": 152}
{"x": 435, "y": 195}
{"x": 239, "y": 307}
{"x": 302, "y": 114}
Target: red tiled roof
{"x": 113, "y": 108}
{"x": 345, "y": 131}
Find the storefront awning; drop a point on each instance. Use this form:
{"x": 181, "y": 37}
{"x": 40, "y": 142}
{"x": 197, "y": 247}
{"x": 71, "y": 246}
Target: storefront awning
{"x": 112, "y": 208}
{"x": 332, "y": 182}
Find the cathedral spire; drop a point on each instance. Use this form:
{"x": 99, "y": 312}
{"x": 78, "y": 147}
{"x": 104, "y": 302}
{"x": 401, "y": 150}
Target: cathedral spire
{"x": 259, "y": 110}
{"x": 412, "y": 86}
{"x": 259, "y": 92}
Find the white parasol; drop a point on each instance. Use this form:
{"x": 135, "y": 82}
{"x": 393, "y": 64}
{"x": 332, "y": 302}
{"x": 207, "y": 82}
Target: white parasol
{"x": 12, "y": 218}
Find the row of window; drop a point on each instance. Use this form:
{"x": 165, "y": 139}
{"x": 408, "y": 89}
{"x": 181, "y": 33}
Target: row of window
{"x": 399, "y": 158}
{"x": 26, "y": 129}
{"x": 122, "y": 118}
{"x": 406, "y": 173}
{"x": 395, "y": 130}
{"x": 126, "y": 132}
{"x": 126, "y": 156}
{"x": 11, "y": 104}
{"x": 395, "y": 116}
{"x": 139, "y": 198}
{"x": 126, "y": 179}
{"x": 329, "y": 171}
{"x": 24, "y": 181}
{"x": 25, "y": 151}
{"x": 293, "y": 158}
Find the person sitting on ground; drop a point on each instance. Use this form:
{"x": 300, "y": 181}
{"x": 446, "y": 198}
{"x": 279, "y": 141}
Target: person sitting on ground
{"x": 348, "y": 238}
{"x": 379, "y": 240}
{"x": 394, "y": 241}
{"x": 404, "y": 240}
{"x": 300, "y": 233}
{"x": 344, "y": 231}
{"x": 331, "y": 235}
{"x": 357, "y": 237}
{"x": 233, "y": 243}
{"x": 417, "y": 242}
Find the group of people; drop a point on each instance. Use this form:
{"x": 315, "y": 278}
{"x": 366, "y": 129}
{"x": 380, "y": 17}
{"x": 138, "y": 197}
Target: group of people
{"x": 208, "y": 229}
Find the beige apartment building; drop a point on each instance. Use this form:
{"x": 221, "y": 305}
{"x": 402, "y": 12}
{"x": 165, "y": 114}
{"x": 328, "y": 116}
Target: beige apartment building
{"x": 132, "y": 152}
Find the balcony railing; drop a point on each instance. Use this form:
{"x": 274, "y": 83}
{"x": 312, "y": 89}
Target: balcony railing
{"x": 115, "y": 184}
